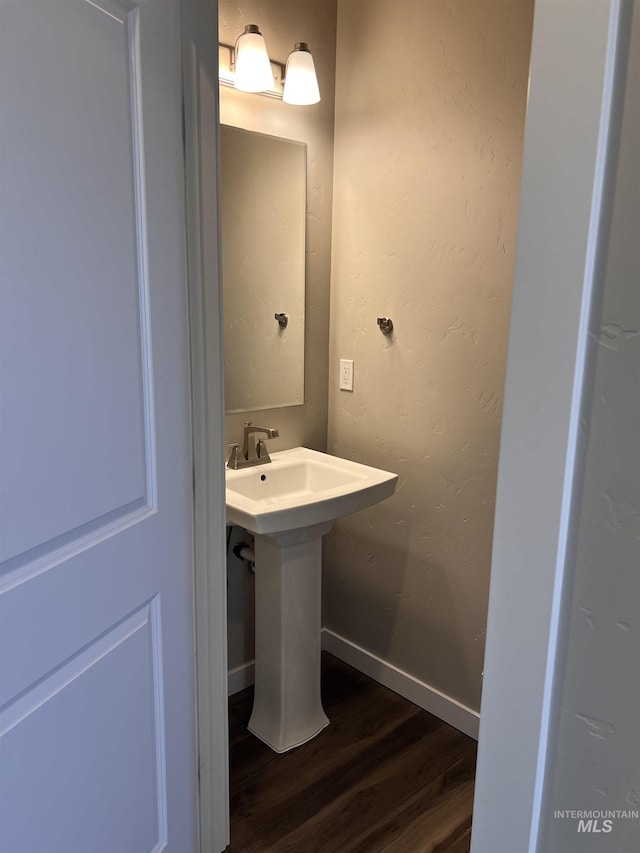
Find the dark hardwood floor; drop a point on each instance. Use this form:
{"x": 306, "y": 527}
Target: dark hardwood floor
{"x": 383, "y": 776}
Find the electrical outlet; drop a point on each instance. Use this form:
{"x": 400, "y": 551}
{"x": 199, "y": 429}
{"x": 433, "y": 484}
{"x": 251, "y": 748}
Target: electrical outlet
{"x": 346, "y": 374}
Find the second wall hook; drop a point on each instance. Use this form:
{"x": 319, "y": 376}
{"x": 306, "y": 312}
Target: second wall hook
{"x": 386, "y": 325}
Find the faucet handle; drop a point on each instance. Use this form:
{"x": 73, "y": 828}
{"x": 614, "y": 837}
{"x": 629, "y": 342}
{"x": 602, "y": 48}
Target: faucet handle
{"x": 234, "y": 458}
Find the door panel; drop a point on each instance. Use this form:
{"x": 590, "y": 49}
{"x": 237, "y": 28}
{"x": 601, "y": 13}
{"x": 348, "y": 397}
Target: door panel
{"x": 120, "y": 743}
{"x": 87, "y": 306}
{"x": 97, "y": 717}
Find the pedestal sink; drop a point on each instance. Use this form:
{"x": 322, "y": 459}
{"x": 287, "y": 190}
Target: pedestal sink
{"x": 289, "y": 504}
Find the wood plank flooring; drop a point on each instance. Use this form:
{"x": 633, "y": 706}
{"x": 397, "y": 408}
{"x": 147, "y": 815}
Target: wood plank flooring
{"x": 383, "y": 776}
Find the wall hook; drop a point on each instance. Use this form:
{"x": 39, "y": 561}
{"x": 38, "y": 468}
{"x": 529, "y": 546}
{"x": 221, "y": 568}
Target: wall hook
{"x": 386, "y": 325}
{"x": 282, "y": 319}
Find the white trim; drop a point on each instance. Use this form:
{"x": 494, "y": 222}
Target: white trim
{"x": 199, "y": 30}
{"x": 564, "y": 541}
{"x": 242, "y": 676}
{"x": 437, "y": 703}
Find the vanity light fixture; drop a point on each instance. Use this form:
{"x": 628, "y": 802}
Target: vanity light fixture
{"x": 252, "y": 67}
{"x": 247, "y": 67}
{"x": 300, "y": 81}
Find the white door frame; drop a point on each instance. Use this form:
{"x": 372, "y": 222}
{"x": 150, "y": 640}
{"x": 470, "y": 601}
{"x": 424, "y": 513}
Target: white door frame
{"x": 200, "y": 64}
{"x": 569, "y": 120}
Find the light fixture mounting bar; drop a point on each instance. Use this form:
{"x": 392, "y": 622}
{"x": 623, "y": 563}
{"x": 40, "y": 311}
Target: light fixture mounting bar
{"x": 226, "y": 70}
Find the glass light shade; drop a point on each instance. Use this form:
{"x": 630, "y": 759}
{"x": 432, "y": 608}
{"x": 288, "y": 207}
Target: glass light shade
{"x": 253, "y": 69}
{"x": 300, "y": 81}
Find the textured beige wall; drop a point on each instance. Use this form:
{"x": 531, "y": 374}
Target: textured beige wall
{"x": 284, "y": 22}
{"x": 430, "y": 101}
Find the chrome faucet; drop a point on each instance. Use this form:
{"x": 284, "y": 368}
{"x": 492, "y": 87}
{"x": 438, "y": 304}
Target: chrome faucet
{"x": 253, "y": 452}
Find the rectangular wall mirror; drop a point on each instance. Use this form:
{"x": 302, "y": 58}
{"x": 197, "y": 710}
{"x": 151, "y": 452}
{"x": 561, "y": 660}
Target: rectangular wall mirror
{"x": 263, "y": 205}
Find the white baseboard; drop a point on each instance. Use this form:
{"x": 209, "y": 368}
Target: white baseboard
{"x": 241, "y": 677}
{"x": 439, "y": 704}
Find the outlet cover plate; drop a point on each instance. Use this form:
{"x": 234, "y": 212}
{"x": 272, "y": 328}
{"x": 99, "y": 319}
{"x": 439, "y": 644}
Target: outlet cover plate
{"x": 346, "y": 374}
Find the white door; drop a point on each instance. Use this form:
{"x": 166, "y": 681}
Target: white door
{"x": 97, "y": 719}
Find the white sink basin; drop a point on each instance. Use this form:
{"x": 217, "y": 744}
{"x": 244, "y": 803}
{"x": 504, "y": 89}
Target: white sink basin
{"x": 301, "y": 488}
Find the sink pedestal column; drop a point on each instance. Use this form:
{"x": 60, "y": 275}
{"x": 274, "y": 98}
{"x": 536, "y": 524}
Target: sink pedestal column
{"x": 287, "y": 710}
